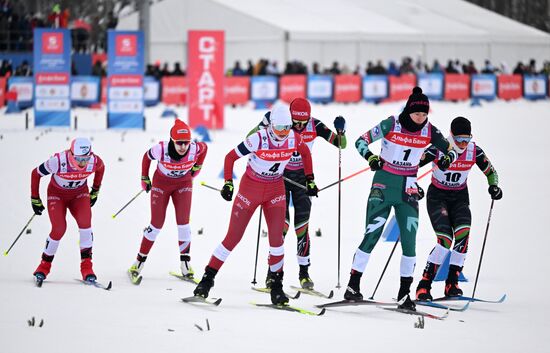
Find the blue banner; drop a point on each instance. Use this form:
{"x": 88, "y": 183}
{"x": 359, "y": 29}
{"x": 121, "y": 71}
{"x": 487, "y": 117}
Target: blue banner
{"x": 151, "y": 91}
{"x": 320, "y": 88}
{"x": 263, "y": 90}
{"x": 535, "y": 86}
{"x": 375, "y": 88}
{"x": 125, "y": 79}
{"x": 431, "y": 84}
{"x": 25, "y": 90}
{"x": 52, "y": 77}
{"x": 85, "y": 90}
{"x": 484, "y": 86}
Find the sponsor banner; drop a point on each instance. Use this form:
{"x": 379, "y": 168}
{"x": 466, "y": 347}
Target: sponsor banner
{"x": 174, "y": 90}
{"x": 2, "y": 91}
{"x": 292, "y": 86}
{"x": 263, "y": 89}
{"x": 125, "y": 67}
{"x": 319, "y": 88}
{"x": 347, "y": 88}
{"x": 375, "y": 87}
{"x": 151, "y": 91}
{"x": 457, "y": 87}
{"x": 510, "y": 86}
{"x": 236, "y": 90}
{"x": 104, "y": 90}
{"x": 401, "y": 87}
{"x": 205, "y": 69}
{"x": 535, "y": 86}
{"x": 52, "y": 76}
{"x": 484, "y": 86}
{"x": 431, "y": 84}
{"x": 85, "y": 90}
{"x": 24, "y": 87}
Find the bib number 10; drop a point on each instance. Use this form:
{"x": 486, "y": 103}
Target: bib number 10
{"x": 454, "y": 177}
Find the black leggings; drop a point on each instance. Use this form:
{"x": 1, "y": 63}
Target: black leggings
{"x": 302, "y": 210}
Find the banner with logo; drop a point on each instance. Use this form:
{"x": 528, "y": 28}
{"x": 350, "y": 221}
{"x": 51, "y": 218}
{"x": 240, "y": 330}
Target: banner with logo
{"x": 292, "y": 86}
{"x": 174, "y": 90}
{"x": 24, "y": 86}
{"x": 319, "y": 88}
{"x": 535, "y": 86}
{"x": 347, "y": 88}
{"x": 510, "y": 86}
{"x": 205, "y": 70}
{"x": 52, "y": 77}
{"x": 457, "y": 87}
{"x": 125, "y": 68}
{"x": 85, "y": 90}
{"x": 236, "y": 90}
{"x": 401, "y": 86}
{"x": 375, "y": 88}
{"x": 151, "y": 91}
{"x": 484, "y": 86}
{"x": 263, "y": 90}
{"x": 431, "y": 84}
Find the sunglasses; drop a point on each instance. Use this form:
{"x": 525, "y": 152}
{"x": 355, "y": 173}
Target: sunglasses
{"x": 181, "y": 143}
{"x": 299, "y": 123}
{"x": 462, "y": 139}
{"x": 281, "y": 128}
{"x": 81, "y": 159}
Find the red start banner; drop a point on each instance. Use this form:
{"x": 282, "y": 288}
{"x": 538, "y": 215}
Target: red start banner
{"x": 205, "y": 68}
{"x": 292, "y": 86}
{"x": 457, "y": 87}
{"x": 237, "y": 90}
{"x": 2, "y": 91}
{"x": 347, "y": 88}
{"x": 174, "y": 90}
{"x": 401, "y": 87}
{"x": 510, "y": 86}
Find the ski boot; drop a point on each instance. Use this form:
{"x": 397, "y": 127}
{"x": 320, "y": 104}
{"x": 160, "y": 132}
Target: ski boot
{"x": 186, "y": 269}
{"x": 352, "y": 291}
{"x": 425, "y": 284}
{"x": 305, "y": 280}
{"x": 206, "y": 283}
{"x": 451, "y": 284}
{"x": 269, "y": 279}
{"x": 86, "y": 270}
{"x": 278, "y": 296}
{"x": 44, "y": 268}
{"x": 404, "y": 290}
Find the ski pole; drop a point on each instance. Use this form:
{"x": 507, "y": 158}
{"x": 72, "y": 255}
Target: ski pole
{"x": 346, "y": 178}
{"x": 294, "y": 183}
{"x": 384, "y": 270}
{"x": 208, "y": 186}
{"x": 19, "y": 235}
{"x": 129, "y": 202}
{"x": 339, "y": 200}
{"x": 483, "y": 248}
{"x": 257, "y": 246}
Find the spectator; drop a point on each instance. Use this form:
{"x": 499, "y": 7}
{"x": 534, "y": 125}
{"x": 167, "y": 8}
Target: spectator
{"x": 335, "y": 69}
{"x": 532, "y": 68}
{"x": 97, "y": 70}
{"x": 470, "y": 69}
{"x": 488, "y": 68}
{"x": 451, "y": 69}
{"x": 392, "y": 69}
{"x": 165, "y": 71}
{"x": 379, "y": 69}
{"x": 315, "y": 68}
{"x": 250, "y": 68}
{"x": 436, "y": 68}
{"x": 54, "y": 19}
{"x": 369, "y": 69}
{"x": 24, "y": 69}
{"x": 519, "y": 69}
{"x": 406, "y": 66}
{"x": 64, "y": 19}
{"x": 177, "y": 70}
{"x": 545, "y": 68}
{"x": 272, "y": 69}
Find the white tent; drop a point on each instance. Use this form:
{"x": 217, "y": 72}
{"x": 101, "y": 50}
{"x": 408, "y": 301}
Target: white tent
{"x": 351, "y": 32}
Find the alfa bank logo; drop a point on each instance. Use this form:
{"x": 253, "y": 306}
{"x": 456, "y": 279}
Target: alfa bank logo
{"x": 126, "y": 45}
{"x": 52, "y": 43}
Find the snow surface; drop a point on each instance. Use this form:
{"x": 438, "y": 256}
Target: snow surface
{"x": 151, "y": 317}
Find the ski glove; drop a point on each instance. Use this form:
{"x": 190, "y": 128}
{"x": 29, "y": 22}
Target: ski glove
{"x": 146, "y": 183}
{"x": 445, "y": 162}
{"x": 311, "y": 188}
{"x": 37, "y": 206}
{"x": 340, "y": 125}
{"x": 94, "y": 193}
{"x": 375, "y": 162}
{"x": 227, "y": 190}
{"x": 420, "y": 192}
{"x": 495, "y": 191}
{"x": 195, "y": 170}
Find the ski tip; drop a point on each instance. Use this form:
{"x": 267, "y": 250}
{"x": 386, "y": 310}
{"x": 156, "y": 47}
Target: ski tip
{"x": 322, "y": 312}
{"x": 218, "y": 302}
{"x": 297, "y": 295}
{"x": 330, "y": 295}
{"x": 502, "y": 299}
{"x": 109, "y": 286}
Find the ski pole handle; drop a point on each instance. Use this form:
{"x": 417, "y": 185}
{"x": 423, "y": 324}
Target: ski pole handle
{"x": 210, "y": 187}
{"x": 129, "y": 202}
{"x": 19, "y": 235}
